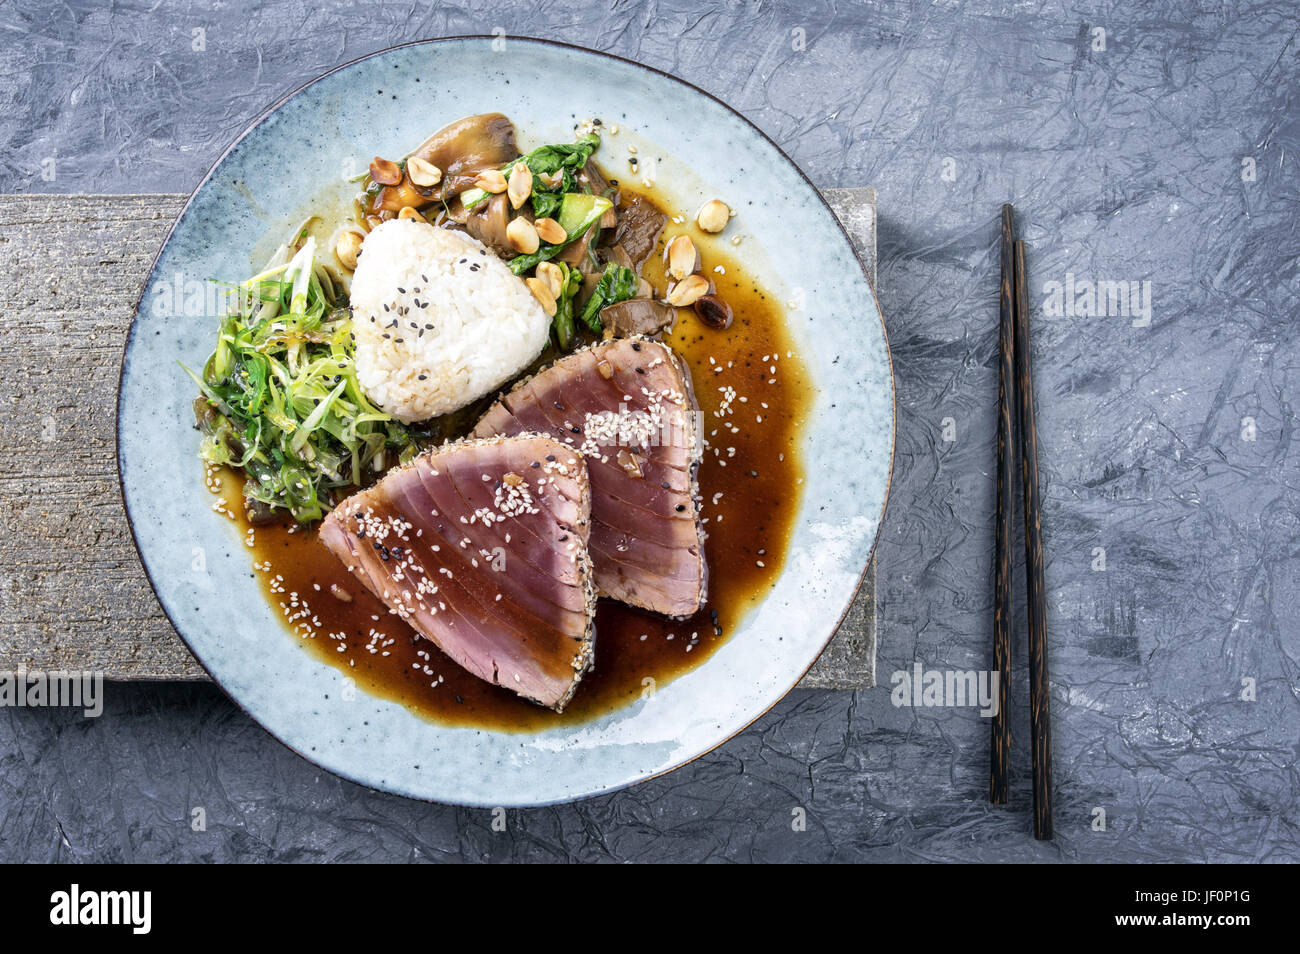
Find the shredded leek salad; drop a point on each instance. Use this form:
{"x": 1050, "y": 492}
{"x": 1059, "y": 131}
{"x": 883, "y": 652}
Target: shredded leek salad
{"x": 281, "y": 392}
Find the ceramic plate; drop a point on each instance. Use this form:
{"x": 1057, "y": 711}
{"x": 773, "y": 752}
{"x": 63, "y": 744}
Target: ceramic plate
{"x": 386, "y": 104}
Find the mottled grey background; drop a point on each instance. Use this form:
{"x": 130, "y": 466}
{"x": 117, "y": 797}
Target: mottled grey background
{"x": 1126, "y": 163}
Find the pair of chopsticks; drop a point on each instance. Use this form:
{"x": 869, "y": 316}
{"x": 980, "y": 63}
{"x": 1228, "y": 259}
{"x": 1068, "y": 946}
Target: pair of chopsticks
{"x": 1016, "y": 397}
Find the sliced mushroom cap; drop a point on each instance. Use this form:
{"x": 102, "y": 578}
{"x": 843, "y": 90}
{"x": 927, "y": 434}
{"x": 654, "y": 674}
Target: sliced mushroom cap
{"x": 258, "y": 513}
{"x": 591, "y": 176}
{"x": 618, "y": 255}
{"x": 575, "y": 253}
{"x": 489, "y": 221}
{"x": 591, "y": 272}
{"x": 637, "y": 316}
{"x": 204, "y": 414}
{"x": 467, "y": 147}
{"x": 404, "y": 195}
{"x": 454, "y": 211}
{"x": 640, "y": 224}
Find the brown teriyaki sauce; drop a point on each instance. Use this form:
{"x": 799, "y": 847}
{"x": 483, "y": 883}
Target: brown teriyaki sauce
{"x": 750, "y": 486}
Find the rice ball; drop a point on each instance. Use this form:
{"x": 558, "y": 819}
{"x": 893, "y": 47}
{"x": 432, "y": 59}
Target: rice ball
{"x": 439, "y": 320}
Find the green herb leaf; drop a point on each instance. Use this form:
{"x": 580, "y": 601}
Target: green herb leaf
{"x": 546, "y": 204}
{"x": 547, "y": 160}
{"x": 616, "y": 284}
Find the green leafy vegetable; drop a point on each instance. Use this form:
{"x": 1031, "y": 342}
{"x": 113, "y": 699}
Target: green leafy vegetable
{"x": 546, "y": 204}
{"x": 616, "y": 284}
{"x": 563, "y": 322}
{"x": 570, "y": 157}
{"x": 565, "y": 158}
{"x": 581, "y": 211}
{"x": 578, "y": 210}
{"x": 523, "y": 263}
{"x": 283, "y": 400}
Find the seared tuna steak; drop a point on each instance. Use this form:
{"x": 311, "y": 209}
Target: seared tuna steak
{"x": 628, "y": 406}
{"x": 481, "y": 547}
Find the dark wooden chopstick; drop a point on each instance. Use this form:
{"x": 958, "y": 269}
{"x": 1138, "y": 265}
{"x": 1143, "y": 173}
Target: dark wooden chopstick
{"x": 1040, "y": 722}
{"x": 1016, "y": 400}
{"x": 999, "y": 751}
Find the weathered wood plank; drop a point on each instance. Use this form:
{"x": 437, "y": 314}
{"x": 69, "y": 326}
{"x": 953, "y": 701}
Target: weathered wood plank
{"x": 72, "y": 592}
{"x": 849, "y": 662}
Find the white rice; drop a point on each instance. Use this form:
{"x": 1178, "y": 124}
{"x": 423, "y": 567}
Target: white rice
{"x": 458, "y": 323}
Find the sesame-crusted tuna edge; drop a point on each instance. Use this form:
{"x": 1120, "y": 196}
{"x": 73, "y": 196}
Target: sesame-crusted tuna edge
{"x": 695, "y": 440}
{"x": 697, "y": 458}
{"x": 585, "y": 658}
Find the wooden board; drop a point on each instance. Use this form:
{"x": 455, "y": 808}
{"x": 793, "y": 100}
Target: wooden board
{"x": 849, "y": 662}
{"x": 72, "y": 592}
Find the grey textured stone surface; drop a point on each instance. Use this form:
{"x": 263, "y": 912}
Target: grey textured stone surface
{"x": 1165, "y": 154}
{"x": 77, "y": 597}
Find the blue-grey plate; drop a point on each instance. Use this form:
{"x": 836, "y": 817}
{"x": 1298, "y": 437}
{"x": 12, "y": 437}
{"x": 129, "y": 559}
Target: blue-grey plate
{"x": 386, "y": 104}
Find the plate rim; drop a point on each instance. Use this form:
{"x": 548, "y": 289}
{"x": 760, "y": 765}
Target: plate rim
{"x": 266, "y": 114}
